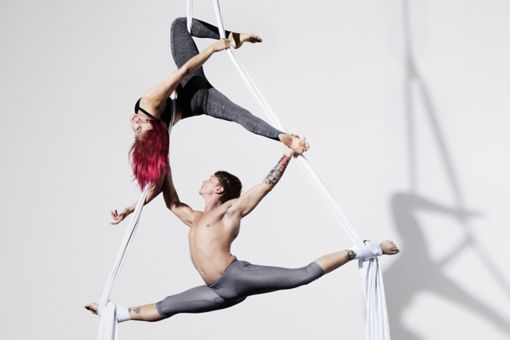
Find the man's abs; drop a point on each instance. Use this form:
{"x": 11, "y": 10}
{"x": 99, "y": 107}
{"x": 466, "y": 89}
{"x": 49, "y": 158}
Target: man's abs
{"x": 211, "y": 268}
{"x": 209, "y": 241}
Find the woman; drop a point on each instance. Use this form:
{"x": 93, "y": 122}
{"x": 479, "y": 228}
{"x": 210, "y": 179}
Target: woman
{"x": 154, "y": 112}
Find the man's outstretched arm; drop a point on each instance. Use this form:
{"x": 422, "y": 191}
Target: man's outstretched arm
{"x": 181, "y": 210}
{"x": 249, "y": 200}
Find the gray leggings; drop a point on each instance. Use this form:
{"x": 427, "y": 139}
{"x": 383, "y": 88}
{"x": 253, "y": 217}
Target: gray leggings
{"x": 240, "y": 280}
{"x": 196, "y": 95}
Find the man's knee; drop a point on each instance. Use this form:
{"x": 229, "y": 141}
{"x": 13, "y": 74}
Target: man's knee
{"x": 312, "y": 272}
{"x": 160, "y": 307}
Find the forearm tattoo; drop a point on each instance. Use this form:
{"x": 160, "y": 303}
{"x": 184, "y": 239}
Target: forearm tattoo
{"x": 276, "y": 173}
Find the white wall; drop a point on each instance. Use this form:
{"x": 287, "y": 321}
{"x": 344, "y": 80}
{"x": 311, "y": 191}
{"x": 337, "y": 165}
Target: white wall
{"x": 334, "y": 71}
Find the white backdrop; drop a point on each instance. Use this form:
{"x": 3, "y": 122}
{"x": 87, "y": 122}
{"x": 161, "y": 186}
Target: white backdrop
{"x": 424, "y": 164}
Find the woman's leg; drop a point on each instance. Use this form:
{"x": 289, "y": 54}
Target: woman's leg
{"x": 219, "y": 106}
{"x": 181, "y": 41}
{"x": 196, "y": 94}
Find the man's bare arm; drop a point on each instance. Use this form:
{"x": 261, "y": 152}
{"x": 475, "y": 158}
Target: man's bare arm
{"x": 250, "y": 199}
{"x": 276, "y": 173}
{"x": 183, "y": 211}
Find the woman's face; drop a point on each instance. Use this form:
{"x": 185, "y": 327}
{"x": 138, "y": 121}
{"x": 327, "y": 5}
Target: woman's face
{"x": 140, "y": 123}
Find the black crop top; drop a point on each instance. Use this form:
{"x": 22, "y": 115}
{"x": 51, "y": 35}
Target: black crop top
{"x": 165, "y": 117}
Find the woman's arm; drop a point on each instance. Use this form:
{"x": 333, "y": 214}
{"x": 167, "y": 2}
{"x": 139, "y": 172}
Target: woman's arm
{"x": 152, "y": 193}
{"x": 154, "y": 99}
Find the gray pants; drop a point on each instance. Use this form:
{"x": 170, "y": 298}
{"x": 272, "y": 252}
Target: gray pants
{"x": 240, "y": 280}
{"x": 196, "y": 95}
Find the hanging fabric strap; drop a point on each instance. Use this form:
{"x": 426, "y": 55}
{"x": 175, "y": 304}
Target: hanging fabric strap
{"x": 373, "y": 287}
{"x": 189, "y": 14}
{"x": 107, "y": 309}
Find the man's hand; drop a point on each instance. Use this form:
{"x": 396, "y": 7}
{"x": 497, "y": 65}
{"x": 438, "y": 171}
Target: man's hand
{"x": 118, "y": 217}
{"x": 297, "y": 144}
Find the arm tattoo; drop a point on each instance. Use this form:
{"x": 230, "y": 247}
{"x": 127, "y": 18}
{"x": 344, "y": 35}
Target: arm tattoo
{"x": 276, "y": 173}
{"x": 350, "y": 255}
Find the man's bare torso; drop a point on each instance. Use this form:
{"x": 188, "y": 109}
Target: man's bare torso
{"x": 210, "y": 237}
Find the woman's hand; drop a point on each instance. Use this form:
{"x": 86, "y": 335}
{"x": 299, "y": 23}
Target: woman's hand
{"x": 118, "y": 217}
{"x": 220, "y": 45}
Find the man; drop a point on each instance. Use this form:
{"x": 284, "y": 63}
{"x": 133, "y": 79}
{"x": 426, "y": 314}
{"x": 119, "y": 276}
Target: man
{"x": 229, "y": 281}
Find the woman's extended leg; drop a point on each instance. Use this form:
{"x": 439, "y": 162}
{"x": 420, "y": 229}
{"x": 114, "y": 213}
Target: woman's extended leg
{"x": 197, "y": 96}
{"x": 181, "y": 41}
{"x": 202, "y": 97}
{"x": 219, "y": 106}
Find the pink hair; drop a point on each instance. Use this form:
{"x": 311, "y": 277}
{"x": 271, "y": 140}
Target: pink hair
{"x": 149, "y": 155}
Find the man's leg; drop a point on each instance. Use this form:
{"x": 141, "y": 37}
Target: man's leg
{"x": 337, "y": 259}
{"x": 244, "y": 279}
{"x": 196, "y": 300}
{"x": 145, "y": 313}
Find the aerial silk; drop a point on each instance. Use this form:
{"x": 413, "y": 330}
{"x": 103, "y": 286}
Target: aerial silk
{"x": 372, "y": 281}
{"x": 107, "y": 309}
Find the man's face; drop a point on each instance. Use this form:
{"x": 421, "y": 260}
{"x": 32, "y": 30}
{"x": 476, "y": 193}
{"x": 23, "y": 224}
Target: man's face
{"x": 210, "y": 185}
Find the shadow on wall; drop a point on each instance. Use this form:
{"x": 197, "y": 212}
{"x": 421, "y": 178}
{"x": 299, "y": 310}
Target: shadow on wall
{"x": 417, "y": 271}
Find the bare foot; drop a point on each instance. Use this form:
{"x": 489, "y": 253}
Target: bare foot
{"x": 294, "y": 142}
{"x": 389, "y": 248}
{"x": 238, "y": 39}
{"x": 93, "y": 307}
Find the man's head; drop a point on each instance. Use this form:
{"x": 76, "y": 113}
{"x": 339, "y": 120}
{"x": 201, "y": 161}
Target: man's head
{"x": 224, "y": 184}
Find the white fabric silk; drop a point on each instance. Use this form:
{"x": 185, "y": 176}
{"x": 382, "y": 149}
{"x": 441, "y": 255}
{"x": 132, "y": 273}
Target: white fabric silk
{"x": 373, "y": 287}
{"x": 107, "y": 309}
